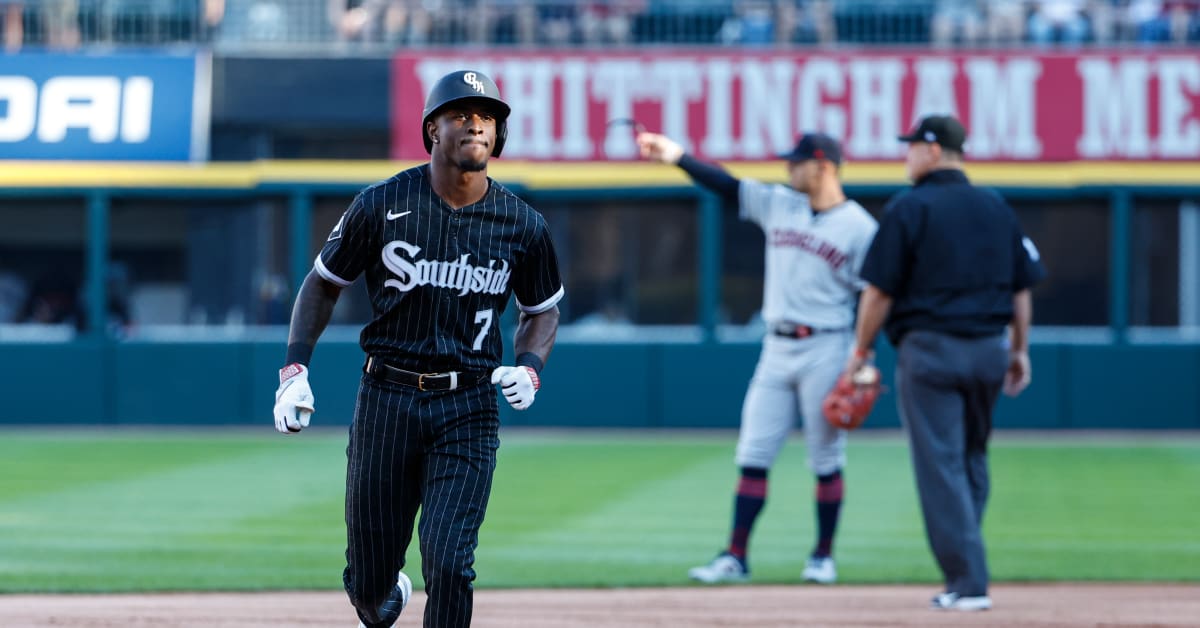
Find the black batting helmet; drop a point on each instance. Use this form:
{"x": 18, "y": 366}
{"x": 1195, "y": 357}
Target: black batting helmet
{"x": 463, "y": 85}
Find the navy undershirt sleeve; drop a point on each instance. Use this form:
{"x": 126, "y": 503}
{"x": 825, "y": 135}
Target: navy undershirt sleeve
{"x": 712, "y": 177}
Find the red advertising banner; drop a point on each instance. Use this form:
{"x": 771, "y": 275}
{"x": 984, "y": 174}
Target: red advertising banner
{"x": 731, "y": 106}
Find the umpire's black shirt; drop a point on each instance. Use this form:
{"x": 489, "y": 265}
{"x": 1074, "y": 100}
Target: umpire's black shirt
{"x": 951, "y": 256}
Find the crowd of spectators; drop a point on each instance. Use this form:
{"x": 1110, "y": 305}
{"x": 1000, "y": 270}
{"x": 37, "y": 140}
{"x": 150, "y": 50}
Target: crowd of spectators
{"x": 762, "y": 22}
{"x": 1068, "y": 22}
{"x": 67, "y": 24}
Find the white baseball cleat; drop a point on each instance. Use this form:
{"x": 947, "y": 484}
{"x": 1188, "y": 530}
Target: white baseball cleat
{"x": 724, "y": 568}
{"x": 956, "y": 602}
{"x": 405, "y": 585}
{"x": 820, "y": 570}
{"x": 404, "y": 588}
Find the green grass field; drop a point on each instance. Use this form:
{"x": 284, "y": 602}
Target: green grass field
{"x": 93, "y": 510}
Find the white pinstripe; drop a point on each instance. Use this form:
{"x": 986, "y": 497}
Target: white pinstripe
{"x": 432, "y": 450}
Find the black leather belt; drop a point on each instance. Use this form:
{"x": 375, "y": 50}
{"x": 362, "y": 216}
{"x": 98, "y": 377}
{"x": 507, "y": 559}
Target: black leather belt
{"x": 421, "y": 381}
{"x": 795, "y": 330}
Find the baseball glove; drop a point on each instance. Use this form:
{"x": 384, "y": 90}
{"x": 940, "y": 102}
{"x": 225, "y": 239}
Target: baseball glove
{"x": 852, "y": 397}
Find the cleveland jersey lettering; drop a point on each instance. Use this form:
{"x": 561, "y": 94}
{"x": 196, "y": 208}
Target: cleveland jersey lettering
{"x": 811, "y": 243}
{"x": 796, "y": 290}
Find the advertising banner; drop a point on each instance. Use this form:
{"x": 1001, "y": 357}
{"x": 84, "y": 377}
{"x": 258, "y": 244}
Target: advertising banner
{"x": 750, "y": 106}
{"x": 130, "y": 107}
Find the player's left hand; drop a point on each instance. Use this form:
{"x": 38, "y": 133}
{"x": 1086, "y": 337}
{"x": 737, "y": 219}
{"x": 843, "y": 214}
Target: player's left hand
{"x": 518, "y": 383}
{"x": 847, "y": 405}
{"x": 293, "y": 400}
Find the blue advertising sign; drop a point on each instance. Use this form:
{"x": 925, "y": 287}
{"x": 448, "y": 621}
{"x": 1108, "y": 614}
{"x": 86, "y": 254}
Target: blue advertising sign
{"x": 125, "y": 107}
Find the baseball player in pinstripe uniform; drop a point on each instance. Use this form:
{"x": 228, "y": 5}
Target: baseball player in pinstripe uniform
{"x": 816, "y": 240}
{"x": 442, "y": 247}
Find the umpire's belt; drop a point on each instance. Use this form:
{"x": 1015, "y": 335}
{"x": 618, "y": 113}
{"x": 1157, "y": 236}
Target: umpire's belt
{"x": 421, "y": 381}
{"x": 795, "y": 330}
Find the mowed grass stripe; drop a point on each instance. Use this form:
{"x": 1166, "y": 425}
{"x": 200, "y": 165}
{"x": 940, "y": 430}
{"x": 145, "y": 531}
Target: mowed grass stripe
{"x": 230, "y": 513}
{"x": 664, "y": 523}
{"x": 1096, "y": 511}
{"x": 226, "y": 509}
{"x": 569, "y": 510}
{"x": 44, "y": 462}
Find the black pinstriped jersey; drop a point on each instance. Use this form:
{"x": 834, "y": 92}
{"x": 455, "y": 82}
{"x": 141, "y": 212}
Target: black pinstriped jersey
{"x": 439, "y": 278}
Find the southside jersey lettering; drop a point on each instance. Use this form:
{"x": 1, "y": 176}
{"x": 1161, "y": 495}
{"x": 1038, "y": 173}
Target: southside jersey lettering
{"x": 439, "y": 278}
{"x": 458, "y": 274}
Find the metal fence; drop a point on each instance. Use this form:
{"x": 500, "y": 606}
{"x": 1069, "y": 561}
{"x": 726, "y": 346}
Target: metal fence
{"x": 383, "y": 25}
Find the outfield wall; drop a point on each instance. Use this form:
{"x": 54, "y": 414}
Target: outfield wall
{"x": 1098, "y": 226}
{"x": 612, "y": 385}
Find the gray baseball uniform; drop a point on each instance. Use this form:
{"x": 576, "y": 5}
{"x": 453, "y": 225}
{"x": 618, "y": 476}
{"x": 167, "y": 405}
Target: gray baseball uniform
{"x": 811, "y": 280}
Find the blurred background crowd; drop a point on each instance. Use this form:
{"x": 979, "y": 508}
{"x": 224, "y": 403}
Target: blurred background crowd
{"x": 386, "y": 24}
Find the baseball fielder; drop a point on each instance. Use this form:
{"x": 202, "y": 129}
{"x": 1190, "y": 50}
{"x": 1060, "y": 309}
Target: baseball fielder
{"x": 442, "y": 246}
{"x": 815, "y": 242}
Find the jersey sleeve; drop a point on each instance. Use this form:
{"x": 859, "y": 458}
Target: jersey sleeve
{"x": 344, "y": 256}
{"x": 754, "y": 201}
{"x": 887, "y": 260}
{"x": 1028, "y": 270}
{"x": 538, "y": 286}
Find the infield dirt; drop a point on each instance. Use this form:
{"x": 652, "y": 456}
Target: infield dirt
{"x": 747, "y": 605}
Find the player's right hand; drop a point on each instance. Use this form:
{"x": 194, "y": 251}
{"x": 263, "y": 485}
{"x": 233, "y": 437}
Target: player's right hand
{"x": 659, "y": 148}
{"x": 293, "y": 400}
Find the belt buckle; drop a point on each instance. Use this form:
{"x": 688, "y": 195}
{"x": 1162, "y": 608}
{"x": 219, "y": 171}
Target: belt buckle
{"x": 421, "y": 382}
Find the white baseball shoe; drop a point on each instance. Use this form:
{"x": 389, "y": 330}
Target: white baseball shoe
{"x": 956, "y": 602}
{"x": 820, "y": 570}
{"x": 403, "y": 592}
{"x": 724, "y": 568}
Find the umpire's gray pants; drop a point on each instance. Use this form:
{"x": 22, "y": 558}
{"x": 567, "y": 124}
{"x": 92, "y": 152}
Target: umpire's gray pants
{"x": 946, "y": 389}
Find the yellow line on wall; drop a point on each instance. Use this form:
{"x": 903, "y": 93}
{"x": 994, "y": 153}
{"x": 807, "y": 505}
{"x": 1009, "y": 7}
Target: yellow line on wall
{"x": 540, "y": 175}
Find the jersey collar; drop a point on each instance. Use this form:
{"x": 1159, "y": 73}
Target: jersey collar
{"x": 943, "y": 177}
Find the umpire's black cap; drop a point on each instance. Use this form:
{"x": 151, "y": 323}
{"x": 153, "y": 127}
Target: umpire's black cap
{"x": 944, "y": 130}
{"x": 815, "y": 146}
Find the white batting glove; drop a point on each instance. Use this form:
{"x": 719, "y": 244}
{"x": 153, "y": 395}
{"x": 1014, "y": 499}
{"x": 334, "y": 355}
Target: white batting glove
{"x": 293, "y": 400}
{"x": 518, "y": 383}
{"x": 659, "y": 148}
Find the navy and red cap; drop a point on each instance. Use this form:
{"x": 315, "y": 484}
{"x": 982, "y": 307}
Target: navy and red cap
{"x": 815, "y": 146}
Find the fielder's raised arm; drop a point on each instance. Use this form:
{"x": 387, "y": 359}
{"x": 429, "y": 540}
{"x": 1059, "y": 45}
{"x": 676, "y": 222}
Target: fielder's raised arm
{"x": 660, "y": 148}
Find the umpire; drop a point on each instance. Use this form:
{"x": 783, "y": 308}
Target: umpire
{"x": 948, "y": 271}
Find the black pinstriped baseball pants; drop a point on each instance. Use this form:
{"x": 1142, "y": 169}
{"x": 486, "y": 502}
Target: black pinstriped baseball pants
{"x": 410, "y": 450}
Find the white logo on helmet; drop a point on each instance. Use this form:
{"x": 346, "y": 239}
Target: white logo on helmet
{"x": 471, "y": 79}
{"x": 929, "y": 136}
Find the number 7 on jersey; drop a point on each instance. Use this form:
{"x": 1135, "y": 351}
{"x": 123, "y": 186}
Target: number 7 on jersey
{"x": 484, "y": 317}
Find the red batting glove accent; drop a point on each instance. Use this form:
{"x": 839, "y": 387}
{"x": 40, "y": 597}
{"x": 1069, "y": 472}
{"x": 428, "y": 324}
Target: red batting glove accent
{"x": 290, "y": 371}
{"x": 537, "y": 383}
